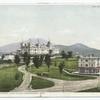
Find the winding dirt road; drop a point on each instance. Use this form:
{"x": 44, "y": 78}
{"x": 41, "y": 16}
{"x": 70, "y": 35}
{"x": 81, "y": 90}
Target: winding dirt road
{"x": 60, "y": 85}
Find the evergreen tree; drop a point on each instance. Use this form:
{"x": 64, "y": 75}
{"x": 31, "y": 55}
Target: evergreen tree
{"x": 63, "y": 54}
{"x": 2, "y": 56}
{"x": 50, "y": 52}
{"x": 17, "y": 59}
{"x": 37, "y": 61}
{"x": 48, "y": 44}
{"x": 48, "y": 61}
{"x": 41, "y": 59}
{"x": 61, "y": 66}
{"x": 70, "y": 54}
{"x": 26, "y": 58}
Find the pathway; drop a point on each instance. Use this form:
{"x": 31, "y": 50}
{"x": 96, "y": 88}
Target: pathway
{"x": 60, "y": 85}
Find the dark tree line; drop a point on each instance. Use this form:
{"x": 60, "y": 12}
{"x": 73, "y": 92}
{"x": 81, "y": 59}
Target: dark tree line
{"x": 61, "y": 67}
{"x": 67, "y": 55}
{"x": 17, "y": 60}
{"x": 48, "y": 61}
{"x": 38, "y": 60}
{"x": 26, "y": 58}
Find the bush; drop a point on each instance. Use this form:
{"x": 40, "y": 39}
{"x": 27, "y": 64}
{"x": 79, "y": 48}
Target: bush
{"x": 5, "y": 61}
{"x": 45, "y": 74}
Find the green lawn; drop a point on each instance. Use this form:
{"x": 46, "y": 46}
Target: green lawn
{"x": 71, "y": 64}
{"x": 54, "y": 73}
{"x": 9, "y": 78}
{"x": 91, "y": 90}
{"x": 38, "y": 83}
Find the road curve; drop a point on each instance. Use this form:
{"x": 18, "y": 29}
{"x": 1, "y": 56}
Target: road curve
{"x": 60, "y": 85}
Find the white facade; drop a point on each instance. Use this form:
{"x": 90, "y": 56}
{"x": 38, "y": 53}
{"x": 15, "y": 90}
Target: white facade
{"x": 8, "y": 57}
{"x": 89, "y": 64}
{"x": 0, "y": 57}
{"x": 40, "y": 49}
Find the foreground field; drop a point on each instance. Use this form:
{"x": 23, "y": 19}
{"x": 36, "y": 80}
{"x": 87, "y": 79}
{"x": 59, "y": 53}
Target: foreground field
{"x": 9, "y": 78}
{"x": 59, "y": 85}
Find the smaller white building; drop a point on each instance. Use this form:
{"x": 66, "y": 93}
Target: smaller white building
{"x": 89, "y": 65}
{"x": 9, "y": 57}
{"x": 0, "y": 57}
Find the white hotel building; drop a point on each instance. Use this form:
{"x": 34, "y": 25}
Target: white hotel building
{"x": 38, "y": 48}
{"x": 89, "y": 65}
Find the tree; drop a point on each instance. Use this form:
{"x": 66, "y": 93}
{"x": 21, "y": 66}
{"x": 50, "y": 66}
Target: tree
{"x": 48, "y": 61}
{"x": 63, "y": 54}
{"x": 37, "y": 60}
{"x": 50, "y": 51}
{"x": 41, "y": 59}
{"x": 48, "y": 44}
{"x": 17, "y": 59}
{"x": 2, "y": 56}
{"x": 70, "y": 54}
{"x": 26, "y": 58}
{"x": 61, "y": 66}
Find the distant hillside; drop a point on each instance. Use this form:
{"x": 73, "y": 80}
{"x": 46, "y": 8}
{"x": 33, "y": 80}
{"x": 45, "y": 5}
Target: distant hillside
{"x": 79, "y": 49}
{"x": 10, "y": 47}
{"x": 15, "y": 46}
{"x": 76, "y": 48}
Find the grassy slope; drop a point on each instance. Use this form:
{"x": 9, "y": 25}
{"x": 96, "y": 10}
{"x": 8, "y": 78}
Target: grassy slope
{"x": 54, "y": 73}
{"x": 38, "y": 83}
{"x": 71, "y": 64}
{"x": 7, "y": 79}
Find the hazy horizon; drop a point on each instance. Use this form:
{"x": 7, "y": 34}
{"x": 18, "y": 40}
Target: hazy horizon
{"x": 62, "y": 24}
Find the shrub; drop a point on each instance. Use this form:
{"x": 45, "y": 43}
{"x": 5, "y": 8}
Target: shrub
{"x": 39, "y": 74}
{"x": 45, "y": 74}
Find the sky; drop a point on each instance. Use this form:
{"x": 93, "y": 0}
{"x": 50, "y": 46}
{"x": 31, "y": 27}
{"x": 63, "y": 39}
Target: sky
{"x": 61, "y": 24}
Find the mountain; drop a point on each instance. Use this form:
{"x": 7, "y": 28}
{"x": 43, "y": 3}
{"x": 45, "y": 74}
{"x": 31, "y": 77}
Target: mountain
{"x": 76, "y": 48}
{"x": 15, "y": 46}
{"x": 79, "y": 49}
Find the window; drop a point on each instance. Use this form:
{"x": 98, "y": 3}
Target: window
{"x": 86, "y": 71}
{"x": 86, "y": 65}
{"x": 92, "y": 70}
{"x": 86, "y": 60}
{"x": 92, "y": 65}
